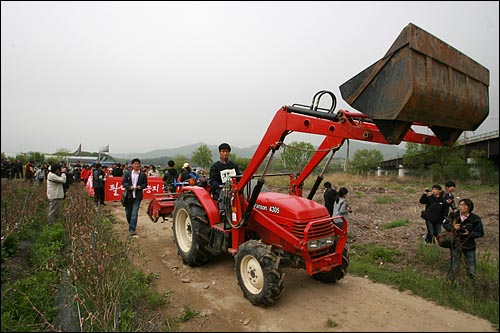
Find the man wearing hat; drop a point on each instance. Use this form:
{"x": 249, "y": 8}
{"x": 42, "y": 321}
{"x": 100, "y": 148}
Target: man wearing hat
{"x": 55, "y": 191}
{"x": 187, "y": 173}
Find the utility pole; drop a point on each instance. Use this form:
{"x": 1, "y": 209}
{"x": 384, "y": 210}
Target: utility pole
{"x": 347, "y": 157}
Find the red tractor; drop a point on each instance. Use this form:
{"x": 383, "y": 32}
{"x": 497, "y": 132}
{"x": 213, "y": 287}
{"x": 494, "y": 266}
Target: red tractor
{"x": 421, "y": 81}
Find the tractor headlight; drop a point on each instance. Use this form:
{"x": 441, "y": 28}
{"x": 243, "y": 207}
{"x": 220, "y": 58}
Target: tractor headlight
{"x": 320, "y": 243}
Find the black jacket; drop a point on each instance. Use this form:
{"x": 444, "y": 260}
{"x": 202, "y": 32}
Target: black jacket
{"x": 215, "y": 178}
{"x": 170, "y": 176}
{"x": 472, "y": 223}
{"x": 330, "y": 195}
{"x": 98, "y": 178}
{"x": 435, "y": 206}
{"x": 142, "y": 182}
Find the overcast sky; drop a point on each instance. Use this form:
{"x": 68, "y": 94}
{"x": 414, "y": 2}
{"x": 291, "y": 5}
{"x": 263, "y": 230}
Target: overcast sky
{"x": 142, "y": 76}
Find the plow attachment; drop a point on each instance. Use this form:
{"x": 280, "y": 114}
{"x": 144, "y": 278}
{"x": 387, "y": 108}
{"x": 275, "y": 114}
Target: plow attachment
{"x": 421, "y": 80}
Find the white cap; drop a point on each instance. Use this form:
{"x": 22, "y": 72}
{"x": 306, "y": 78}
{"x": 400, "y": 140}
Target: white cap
{"x": 186, "y": 165}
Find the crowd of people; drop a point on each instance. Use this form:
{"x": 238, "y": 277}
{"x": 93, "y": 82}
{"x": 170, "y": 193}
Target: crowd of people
{"x": 441, "y": 212}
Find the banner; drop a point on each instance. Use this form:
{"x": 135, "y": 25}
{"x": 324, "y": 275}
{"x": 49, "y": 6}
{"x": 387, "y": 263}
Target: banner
{"x": 113, "y": 188}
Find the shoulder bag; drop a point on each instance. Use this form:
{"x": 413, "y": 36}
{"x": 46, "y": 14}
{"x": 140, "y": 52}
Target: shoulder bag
{"x": 446, "y": 238}
{"x": 125, "y": 198}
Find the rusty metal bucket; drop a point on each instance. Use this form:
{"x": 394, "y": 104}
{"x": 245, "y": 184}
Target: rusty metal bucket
{"x": 421, "y": 80}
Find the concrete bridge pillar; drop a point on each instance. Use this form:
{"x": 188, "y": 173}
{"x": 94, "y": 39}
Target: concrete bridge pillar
{"x": 401, "y": 171}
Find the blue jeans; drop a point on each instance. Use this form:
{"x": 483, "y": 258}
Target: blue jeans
{"x": 132, "y": 212}
{"x": 470, "y": 262}
{"x": 433, "y": 229}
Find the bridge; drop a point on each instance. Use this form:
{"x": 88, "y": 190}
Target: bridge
{"x": 487, "y": 142}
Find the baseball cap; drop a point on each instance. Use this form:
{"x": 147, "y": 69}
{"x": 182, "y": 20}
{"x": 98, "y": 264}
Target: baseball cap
{"x": 186, "y": 165}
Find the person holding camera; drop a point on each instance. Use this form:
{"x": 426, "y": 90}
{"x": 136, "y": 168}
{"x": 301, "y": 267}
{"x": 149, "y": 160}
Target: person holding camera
{"x": 55, "y": 192}
{"x": 468, "y": 226}
{"x": 435, "y": 211}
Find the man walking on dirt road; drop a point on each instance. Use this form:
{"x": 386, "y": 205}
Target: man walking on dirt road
{"x": 134, "y": 182}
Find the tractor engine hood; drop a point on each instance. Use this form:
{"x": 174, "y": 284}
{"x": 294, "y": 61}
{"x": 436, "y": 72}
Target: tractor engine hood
{"x": 289, "y": 206}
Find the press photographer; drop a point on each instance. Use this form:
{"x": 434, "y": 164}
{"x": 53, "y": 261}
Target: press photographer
{"x": 468, "y": 227}
{"x": 435, "y": 211}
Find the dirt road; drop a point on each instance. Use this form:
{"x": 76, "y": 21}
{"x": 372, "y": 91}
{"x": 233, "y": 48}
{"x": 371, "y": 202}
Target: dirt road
{"x": 353, "y": 304}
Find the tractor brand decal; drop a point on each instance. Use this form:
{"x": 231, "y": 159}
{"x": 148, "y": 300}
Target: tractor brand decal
{"x": 261, "y": 207}
{"x": 272, "y": 209}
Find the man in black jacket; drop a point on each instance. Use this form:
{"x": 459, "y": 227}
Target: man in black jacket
{"x": 435, "y": 209}
{"x": 170, "y": 177}
{"x": 134, "y": 182}
{"x": 330, "y": 195}
{"x": 223, "y": 164}
{"x": 98, "y": 179}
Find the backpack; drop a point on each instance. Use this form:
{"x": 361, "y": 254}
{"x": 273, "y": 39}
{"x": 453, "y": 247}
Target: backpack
{"x": 40, "y": 174}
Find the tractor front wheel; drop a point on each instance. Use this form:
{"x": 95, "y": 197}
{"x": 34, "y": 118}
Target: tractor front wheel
{"x": 259, "y": 275}
{"x": 337, "y": 273}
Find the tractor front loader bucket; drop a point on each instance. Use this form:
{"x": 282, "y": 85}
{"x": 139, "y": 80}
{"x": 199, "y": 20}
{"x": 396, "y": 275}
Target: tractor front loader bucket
{"x": 425, "y": 81}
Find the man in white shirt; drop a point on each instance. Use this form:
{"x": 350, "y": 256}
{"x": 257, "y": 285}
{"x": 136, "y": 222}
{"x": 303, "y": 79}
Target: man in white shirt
{"x": 55, "y": 191}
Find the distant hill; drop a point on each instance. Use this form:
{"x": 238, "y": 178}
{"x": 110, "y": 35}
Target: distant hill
{"x": 388, "y": 151}
{"x": 187, "y": 151}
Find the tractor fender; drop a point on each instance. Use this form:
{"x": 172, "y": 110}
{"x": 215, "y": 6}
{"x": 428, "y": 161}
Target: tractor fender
{"x": 205, "y": 199}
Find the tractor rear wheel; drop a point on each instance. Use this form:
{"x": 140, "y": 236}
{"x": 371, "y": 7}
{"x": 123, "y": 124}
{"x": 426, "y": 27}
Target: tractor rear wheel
{"x": 337, "y": 273}
{"x": 191, "y": 230}
{"x": 259, "y": 275}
